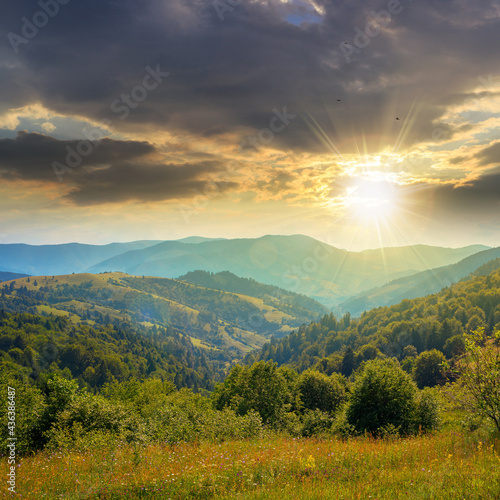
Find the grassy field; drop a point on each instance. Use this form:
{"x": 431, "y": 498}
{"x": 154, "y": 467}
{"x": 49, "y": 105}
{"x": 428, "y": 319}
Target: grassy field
{"x": 447, "y": 465}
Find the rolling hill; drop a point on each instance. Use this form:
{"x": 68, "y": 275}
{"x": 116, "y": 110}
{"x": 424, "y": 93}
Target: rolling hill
{"x": 229, "y": 282}
{"x": 296, "y": 263}
{"x": 230, "y": 322}
{"x": 417, "y": 285}
{"x": 60, "y": 259}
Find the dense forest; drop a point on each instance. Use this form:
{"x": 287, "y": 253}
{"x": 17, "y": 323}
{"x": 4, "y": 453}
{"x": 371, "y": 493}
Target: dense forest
{"x": 419, "y": 332}
{"x": 216, "y": 319}
{"x": 34, "y": 347}
{"x": 80, "y": 380}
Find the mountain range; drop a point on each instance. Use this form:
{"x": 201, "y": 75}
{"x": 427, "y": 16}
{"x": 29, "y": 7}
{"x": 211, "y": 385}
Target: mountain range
{"x": 295, "y": 263}
{"x": 417, "y": 285}
{"x": 60, "y": 259}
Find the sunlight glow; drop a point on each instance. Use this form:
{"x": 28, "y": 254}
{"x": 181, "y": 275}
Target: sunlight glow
{"x": 372, "y": 201}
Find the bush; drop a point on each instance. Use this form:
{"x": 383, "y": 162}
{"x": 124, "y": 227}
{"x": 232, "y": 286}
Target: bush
{"x": 384, "y": 398}
{"x": 318, "y": 391}
{"x": 479, "y": 371}
{"x": 191, "y": 417}
{"x": 427, "y": 411}
{"x": 261, "y": 387}
{"x": 429, "y": 368}
{"x": 341, "y": 427}
{"x": 93, "y": 418}
{"x": 29, "y": 408}
{"x": 316, "y": 422}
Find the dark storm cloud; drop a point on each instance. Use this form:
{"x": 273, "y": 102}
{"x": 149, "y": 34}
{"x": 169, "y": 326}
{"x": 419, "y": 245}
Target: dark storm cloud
{"x": 126, "y": 182}
{"x": 30, "y": 156}
{"x": 115, "y": 171}
{"x": 232, "y": 73}
{"x": 480, "y": 197}
{"x": 490, "y": 155}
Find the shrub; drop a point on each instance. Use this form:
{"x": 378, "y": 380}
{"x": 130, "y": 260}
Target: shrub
{"x": 318, "y": 391}
{"x": 341, "y": 427}
{"x": 429, "y": 368}
{"x": 261, "y": 387}
{"x": 190, "y": 417}
{"x": 93, "y": 418}
{"x": 29, "y": 408}
{"x": 383, "y": 396}
{"x": 316, "y": 422}
{"x": 427, "y": 411}
{"x": 480, "y": 374}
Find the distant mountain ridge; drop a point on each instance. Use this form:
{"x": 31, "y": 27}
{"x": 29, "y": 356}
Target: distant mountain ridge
{"x": 60, "y": 259}
{"x": 296, "y": 263}
{"x": 417, "y": 285}
{"x": 6, "y": 276}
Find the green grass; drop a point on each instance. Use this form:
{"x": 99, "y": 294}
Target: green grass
{"x": 447, "y": 465}
{"x": 58, "y": 312}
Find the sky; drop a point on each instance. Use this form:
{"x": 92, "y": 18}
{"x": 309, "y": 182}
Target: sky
{"x": 359, "y": 123}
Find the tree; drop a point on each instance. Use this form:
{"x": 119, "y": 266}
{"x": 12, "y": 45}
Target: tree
{"x": 455, "y": 346}
{"x": 366, "y": 352}
{"x": 382, "y": 396}
{"x": 348, "y": 362}
{"x": 261, "y": 387}
{"x": 429, "y": 368}
{"x": 479, "y": 371}
{"x": 410, "y": 351}
{"x": 318, "y": 391}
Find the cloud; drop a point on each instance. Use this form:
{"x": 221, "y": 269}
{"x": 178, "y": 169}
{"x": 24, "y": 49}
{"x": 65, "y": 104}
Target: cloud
{"x": 115, "y": 171}
{"x": 229, "y": 75}
{"x": 474, "y": 196}
{"x": 490, "y": 155}
{"x": 126, "y": 182}
{"x": 30, "y": 156}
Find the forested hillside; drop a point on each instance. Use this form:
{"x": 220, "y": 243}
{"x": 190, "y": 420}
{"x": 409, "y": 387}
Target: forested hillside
{"x": 417, "y": 285}
{"x": 406, "y": 330}
{"x": 232, "y": 323}
{"x": 32, "y": 347}
{"x": 229, "y": 282}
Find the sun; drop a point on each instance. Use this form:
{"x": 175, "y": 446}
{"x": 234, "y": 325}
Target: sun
{"x": 372, "y": 201}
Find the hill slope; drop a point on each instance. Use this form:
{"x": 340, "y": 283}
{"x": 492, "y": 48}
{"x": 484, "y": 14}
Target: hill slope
{"x": 296, "y": 263}
{"x": 34, "y": 346}
{"x": 433, "y": 322}
{"x": 417, "y": 285}
{"x": 229, "y": 282}
{"x": 232, "y": 323}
